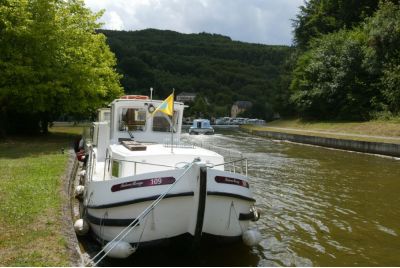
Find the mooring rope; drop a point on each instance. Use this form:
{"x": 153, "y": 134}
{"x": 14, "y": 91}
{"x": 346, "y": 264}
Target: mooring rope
{"x": 133, "y": 225}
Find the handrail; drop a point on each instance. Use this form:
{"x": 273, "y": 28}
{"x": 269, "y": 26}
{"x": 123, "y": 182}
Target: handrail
{"x": 138, "y": 162}
{"x": 245, "y": 171}
{"x": 90, "y": 162}
{"x": 233, "y": 161}
{"x": 231, "y": 153}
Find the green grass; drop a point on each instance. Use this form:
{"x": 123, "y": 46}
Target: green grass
{"x": 378, "y": 131}
{"x": 30, "y": 186}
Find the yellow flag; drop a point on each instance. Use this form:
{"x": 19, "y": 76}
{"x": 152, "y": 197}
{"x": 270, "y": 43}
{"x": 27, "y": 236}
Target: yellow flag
{"x": 167, "y": 106}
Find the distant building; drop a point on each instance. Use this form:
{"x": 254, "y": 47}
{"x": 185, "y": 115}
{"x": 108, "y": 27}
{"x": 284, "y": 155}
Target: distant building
{"x": 186, "y": 96}
{"x": 240, "y": 106}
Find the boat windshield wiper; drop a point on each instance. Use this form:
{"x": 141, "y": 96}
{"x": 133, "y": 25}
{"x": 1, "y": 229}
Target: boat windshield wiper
{"x": 130, "y": 134}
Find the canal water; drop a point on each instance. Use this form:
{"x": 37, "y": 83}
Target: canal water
{"x": 319, "y": 207}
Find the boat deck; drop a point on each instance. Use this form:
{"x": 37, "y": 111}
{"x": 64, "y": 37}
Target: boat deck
{"x": 153, "y": 158}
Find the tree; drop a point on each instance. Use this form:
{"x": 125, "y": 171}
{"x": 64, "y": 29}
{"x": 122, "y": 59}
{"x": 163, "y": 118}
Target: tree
{"x": 383, "y": 55}
{"x": 319, "y": 17}
{"x": 199, "y": 108}
{"x": 330, "y": 81}
{"x": 52, "y": 62}
{"x": 350, "y": 73}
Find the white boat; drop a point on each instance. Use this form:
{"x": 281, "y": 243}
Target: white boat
{"x": 201, "y": 126}
{"x": 141, "y": 185}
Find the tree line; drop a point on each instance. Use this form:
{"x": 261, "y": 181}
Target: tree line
{"x": 219, "y": 70}
{"x": 54, "y": 61}
{"x": 347, "y": 60}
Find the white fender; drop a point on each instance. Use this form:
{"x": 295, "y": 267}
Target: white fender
{"x": 251, "y": 237}
{"x": 81, "y": 227}
{"x": 79, "y": 190}
{"x": 119, "y": 249}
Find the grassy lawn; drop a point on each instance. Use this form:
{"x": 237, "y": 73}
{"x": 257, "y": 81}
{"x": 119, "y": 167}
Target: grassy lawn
{"x": 378, "y": 131}
{"x": 30, "y": 187}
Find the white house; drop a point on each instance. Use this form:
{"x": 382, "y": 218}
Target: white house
{"x": 240, "y": 106}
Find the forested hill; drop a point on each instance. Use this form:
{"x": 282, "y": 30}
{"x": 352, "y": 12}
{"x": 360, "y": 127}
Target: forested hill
{"x": 212, "y": 65}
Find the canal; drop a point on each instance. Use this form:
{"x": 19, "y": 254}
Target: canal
{"x": 320, "y": 207}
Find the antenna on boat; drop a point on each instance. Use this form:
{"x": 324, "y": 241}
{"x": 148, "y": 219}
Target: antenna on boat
{"x": 151, "y": 93}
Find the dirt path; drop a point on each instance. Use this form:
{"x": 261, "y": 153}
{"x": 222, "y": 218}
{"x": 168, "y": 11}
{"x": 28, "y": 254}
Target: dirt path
{"x": 67, "y": 224}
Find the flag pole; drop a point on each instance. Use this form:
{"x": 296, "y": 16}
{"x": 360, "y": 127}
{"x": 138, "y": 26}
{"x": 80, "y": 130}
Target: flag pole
{"x": 172, "y": 121}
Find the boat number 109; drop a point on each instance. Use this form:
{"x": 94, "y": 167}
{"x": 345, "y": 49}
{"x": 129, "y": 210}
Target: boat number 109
{"x": 156, "y": 181}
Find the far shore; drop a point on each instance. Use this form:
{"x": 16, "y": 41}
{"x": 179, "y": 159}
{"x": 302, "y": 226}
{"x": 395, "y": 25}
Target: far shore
{"x": 381, "y": 138}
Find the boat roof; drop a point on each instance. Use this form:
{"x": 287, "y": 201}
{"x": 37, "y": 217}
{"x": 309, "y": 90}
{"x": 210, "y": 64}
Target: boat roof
{"x": 201, "y": 120}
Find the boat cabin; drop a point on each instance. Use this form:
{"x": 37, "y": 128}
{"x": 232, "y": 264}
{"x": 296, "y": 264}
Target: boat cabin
{"x": 133, "y": 119}
{"x": 201, "y": 123}
{"x": 201, "y": 126}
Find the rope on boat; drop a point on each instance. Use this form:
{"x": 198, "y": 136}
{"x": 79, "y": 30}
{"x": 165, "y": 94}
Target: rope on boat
{"x": 136, "y": 221}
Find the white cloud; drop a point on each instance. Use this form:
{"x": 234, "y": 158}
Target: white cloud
{"x": 256, "y": 21}
{"x": 114, "y": 21}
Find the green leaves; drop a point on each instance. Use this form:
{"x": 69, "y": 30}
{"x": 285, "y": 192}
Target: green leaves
{"x": 320, "y": 17}
{"x": 52, "y": 62}
{"x": 351, "y": 74}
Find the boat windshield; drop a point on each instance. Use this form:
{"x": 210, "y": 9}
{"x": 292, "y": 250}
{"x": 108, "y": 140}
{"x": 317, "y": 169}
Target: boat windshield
{"x": 162, "y": 122}
{"x": 132, "y": 119}
{"x": 201, "y": 124}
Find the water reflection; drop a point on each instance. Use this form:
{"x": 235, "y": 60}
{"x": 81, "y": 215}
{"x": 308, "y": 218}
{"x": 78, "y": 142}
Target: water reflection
{"x": 319, "y": 207}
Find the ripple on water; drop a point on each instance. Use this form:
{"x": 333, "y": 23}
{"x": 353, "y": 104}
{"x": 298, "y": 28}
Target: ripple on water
{"x": 318, "y": 207}
{"x": 386, "y": 230}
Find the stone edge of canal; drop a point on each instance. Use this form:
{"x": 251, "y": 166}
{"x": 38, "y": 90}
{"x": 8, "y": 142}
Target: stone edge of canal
{"x": 78, "y": 257}
{"x": 381, "y": 148}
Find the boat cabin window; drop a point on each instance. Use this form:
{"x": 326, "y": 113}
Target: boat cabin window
{"x": 132, "y": 119}
{"x": 162, "y": 122}
{"x": 115, "y": 168}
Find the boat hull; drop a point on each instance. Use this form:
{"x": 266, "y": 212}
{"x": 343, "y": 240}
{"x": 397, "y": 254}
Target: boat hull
{"x": 203, "y": 202}
{"x": 206, "y": 131}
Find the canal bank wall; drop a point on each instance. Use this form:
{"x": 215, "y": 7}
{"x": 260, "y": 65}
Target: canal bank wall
{"x": 389, "y": 149}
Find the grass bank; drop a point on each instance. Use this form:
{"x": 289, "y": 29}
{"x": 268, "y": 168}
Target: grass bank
{"x": 374, "y": 131}
{"x": 31, "y": 202}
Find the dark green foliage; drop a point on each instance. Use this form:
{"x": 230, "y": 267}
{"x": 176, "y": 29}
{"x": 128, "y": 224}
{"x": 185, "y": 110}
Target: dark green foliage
{"x": 383, "y": 55}
{"x": 350, "y": 74}
{"x": 199, "y": 108}
{"x": 319, "y": 17}
{"x": 330, "y": 80}
{"x": 218, "y": 68}
{"x": 51, "y": 63}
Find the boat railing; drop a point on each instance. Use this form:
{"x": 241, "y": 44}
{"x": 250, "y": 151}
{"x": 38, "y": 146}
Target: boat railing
{"x": 135, "y": 165}
{"x": 176, "y": 143}
{"x": 239, "y": 166}
{"x": 235, "y": 166}
{"x": 90, "y": 164}
{"x": 234, "y": 160}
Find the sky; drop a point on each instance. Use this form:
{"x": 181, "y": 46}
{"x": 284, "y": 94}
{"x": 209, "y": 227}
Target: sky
{"x": 253, "y": 21}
